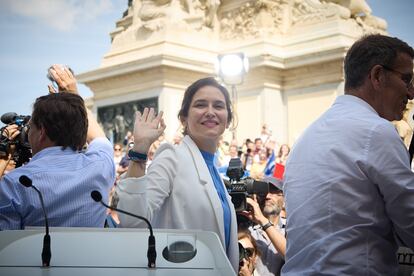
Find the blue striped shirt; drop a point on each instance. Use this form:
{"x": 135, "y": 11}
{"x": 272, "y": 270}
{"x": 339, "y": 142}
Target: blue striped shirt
{"x": 66, "y": 179}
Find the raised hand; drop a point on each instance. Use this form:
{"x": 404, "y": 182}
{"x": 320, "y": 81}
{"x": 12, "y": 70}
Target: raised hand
{"x": 147, "y": 129}
{"x": 255, "y": 214}
{"x": 64, "y": 79}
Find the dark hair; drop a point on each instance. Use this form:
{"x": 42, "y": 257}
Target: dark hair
{"x": 369, "y": 51}
{"x": 192, "y": 90}
{"x": 246, "y": 234}
{"x": 64, "y": 117}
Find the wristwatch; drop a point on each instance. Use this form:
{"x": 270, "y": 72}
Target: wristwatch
{"x": 137, "y": 157}
{"x": 267, "y": 225}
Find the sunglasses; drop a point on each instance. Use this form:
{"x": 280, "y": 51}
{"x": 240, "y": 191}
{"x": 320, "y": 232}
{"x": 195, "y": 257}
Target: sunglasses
{"x": 245, "y": 253}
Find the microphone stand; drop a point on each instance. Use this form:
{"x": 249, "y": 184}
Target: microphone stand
{"x": 151, "y": 252}
{"x": 46, "y": 252}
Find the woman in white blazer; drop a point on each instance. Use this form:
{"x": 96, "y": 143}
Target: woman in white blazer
{"x": 182, "y": 188}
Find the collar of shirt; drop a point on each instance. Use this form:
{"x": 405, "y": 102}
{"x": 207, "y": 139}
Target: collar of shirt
{"x": 353, "y": 99}
{"x": 51, "y": 151}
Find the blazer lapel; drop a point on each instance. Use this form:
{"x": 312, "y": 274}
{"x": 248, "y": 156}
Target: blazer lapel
{"x": 205, "y": 179}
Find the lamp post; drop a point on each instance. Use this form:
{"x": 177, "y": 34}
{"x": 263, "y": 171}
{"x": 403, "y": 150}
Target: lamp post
{"x": 231, "y": 68}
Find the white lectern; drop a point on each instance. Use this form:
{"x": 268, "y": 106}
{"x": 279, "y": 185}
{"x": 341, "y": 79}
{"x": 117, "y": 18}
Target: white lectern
{"x": 87, "y": 251}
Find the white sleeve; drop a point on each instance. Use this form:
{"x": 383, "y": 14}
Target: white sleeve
{"x": 145, "y": 195}
{"x": 389, "y": 167}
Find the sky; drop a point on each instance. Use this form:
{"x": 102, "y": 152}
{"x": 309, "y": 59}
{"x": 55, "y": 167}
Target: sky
{"x": 37, "y": 33}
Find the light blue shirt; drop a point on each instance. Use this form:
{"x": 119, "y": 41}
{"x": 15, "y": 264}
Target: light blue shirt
{"x": 66, "y": 179}
{"x": 348, "y": 189}
{"x": 218, "y": 183}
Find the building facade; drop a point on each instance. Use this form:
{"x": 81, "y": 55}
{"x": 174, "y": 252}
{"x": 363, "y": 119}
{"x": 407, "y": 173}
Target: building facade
{"x": 296, "y": 50}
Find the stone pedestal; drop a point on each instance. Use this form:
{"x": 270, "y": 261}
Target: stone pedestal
{"x": 295, "y": 48}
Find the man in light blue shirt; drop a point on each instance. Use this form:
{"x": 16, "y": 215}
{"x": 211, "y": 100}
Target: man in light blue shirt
{"x": 65, "y": 173}
{"x": 349, "y": 188}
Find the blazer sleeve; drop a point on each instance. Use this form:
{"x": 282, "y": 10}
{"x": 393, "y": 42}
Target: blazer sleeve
{"x": 145, "y": 195}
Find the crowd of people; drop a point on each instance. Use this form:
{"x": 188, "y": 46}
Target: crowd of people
{"x": 340, "y": 203}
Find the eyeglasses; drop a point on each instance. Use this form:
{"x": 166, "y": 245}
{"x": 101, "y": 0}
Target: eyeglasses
{"x": 407, "y": 78}
{"x": 245, "y": 253}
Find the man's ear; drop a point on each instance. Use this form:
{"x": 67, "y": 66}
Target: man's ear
{"x": 376, "y": 76}
{"x": 42, "y": 135}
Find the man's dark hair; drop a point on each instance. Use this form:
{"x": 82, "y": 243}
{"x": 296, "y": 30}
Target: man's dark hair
{"x": 257, "y": 139}
{"x": 194, "y": 87}
{"x": 369, "y": 51}
{"x": 64, "y": 117}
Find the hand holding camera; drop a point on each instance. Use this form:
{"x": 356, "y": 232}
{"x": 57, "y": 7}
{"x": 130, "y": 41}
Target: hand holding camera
{"x": 255, "y": 213}
{"x": 14, "y": 139}
{"x": 62, "y": 78}
{"x": 9, "y": 134}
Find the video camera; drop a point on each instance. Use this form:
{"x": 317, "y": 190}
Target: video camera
{"x": 239, "y": 189}
{"x": 22, "y": 152}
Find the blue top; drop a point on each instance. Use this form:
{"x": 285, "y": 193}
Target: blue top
{"x": 222, "y": 193}
{"x": 66, "y": 179}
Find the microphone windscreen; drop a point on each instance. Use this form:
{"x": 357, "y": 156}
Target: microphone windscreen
{"x": 96, "y": 196}
{"x": 8, "y": 117}
{"x": 25, "y": 181}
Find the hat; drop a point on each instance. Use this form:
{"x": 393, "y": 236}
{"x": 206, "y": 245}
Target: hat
{"x": 275, "y": 182}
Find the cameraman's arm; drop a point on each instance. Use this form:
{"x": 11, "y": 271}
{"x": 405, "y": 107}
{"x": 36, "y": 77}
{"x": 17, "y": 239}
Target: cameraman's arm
{"x": 277, "y": 239}
{"x": 67, "y": 83}
{"x": 10, "y": 132}
{"x": 3, "y": 164}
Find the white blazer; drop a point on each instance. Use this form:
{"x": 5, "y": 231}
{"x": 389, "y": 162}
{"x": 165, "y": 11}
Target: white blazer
{"x": 178, "y": 193}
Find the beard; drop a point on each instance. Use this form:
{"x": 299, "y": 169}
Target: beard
{"x": 273, "y": 210}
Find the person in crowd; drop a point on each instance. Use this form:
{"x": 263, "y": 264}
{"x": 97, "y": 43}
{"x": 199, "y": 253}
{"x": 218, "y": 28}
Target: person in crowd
{"x": 222, "y": 152}
{"x": 65, "y": 174}
{"x": 270, "y": 146}
{"x": 265, "y": 133}
{"x": 112, "y": 218}
{"x": 182, "y": 188}
{"x": 283, "y": 154}
{"x": 280, "y": 161}
{"x": 265, "y": 223}
{"x": 128, "y": 138}
{"x": 248, "y": 155}
{"x": 248, "y": 254}
{"x": 118, "y": 154}
{"x": 258, "y": 147}
{"x": 349, "y": 188}
{"x": 271, "y": 260}
{"x": 257, "y": 169}
{"x": 232, "y": 153}
{"x": 7, "y": 163}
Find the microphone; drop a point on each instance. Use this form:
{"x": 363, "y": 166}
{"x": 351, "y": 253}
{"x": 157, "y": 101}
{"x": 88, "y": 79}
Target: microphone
{"x": 46, "y": 252}
{"x": 8, "y": 117}
{"x": 151, "y": 253}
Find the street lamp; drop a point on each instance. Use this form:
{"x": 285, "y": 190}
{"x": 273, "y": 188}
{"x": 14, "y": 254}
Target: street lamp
{"x": 231, "y": 68}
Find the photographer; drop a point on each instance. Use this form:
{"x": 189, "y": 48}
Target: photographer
{"x": 270, "y": 239}
{"x": 10, "y": 133}
{"x": 64, "y": 173}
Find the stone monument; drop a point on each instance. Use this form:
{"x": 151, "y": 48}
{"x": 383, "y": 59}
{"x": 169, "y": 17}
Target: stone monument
{"x": 295, "y": 48}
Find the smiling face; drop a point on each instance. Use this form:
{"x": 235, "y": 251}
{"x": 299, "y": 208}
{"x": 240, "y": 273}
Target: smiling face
{"x": 207, "y": 117}
{"x": 396, "y": 94}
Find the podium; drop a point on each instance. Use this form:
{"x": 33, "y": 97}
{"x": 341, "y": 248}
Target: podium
{"x": 93, "y": 251}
